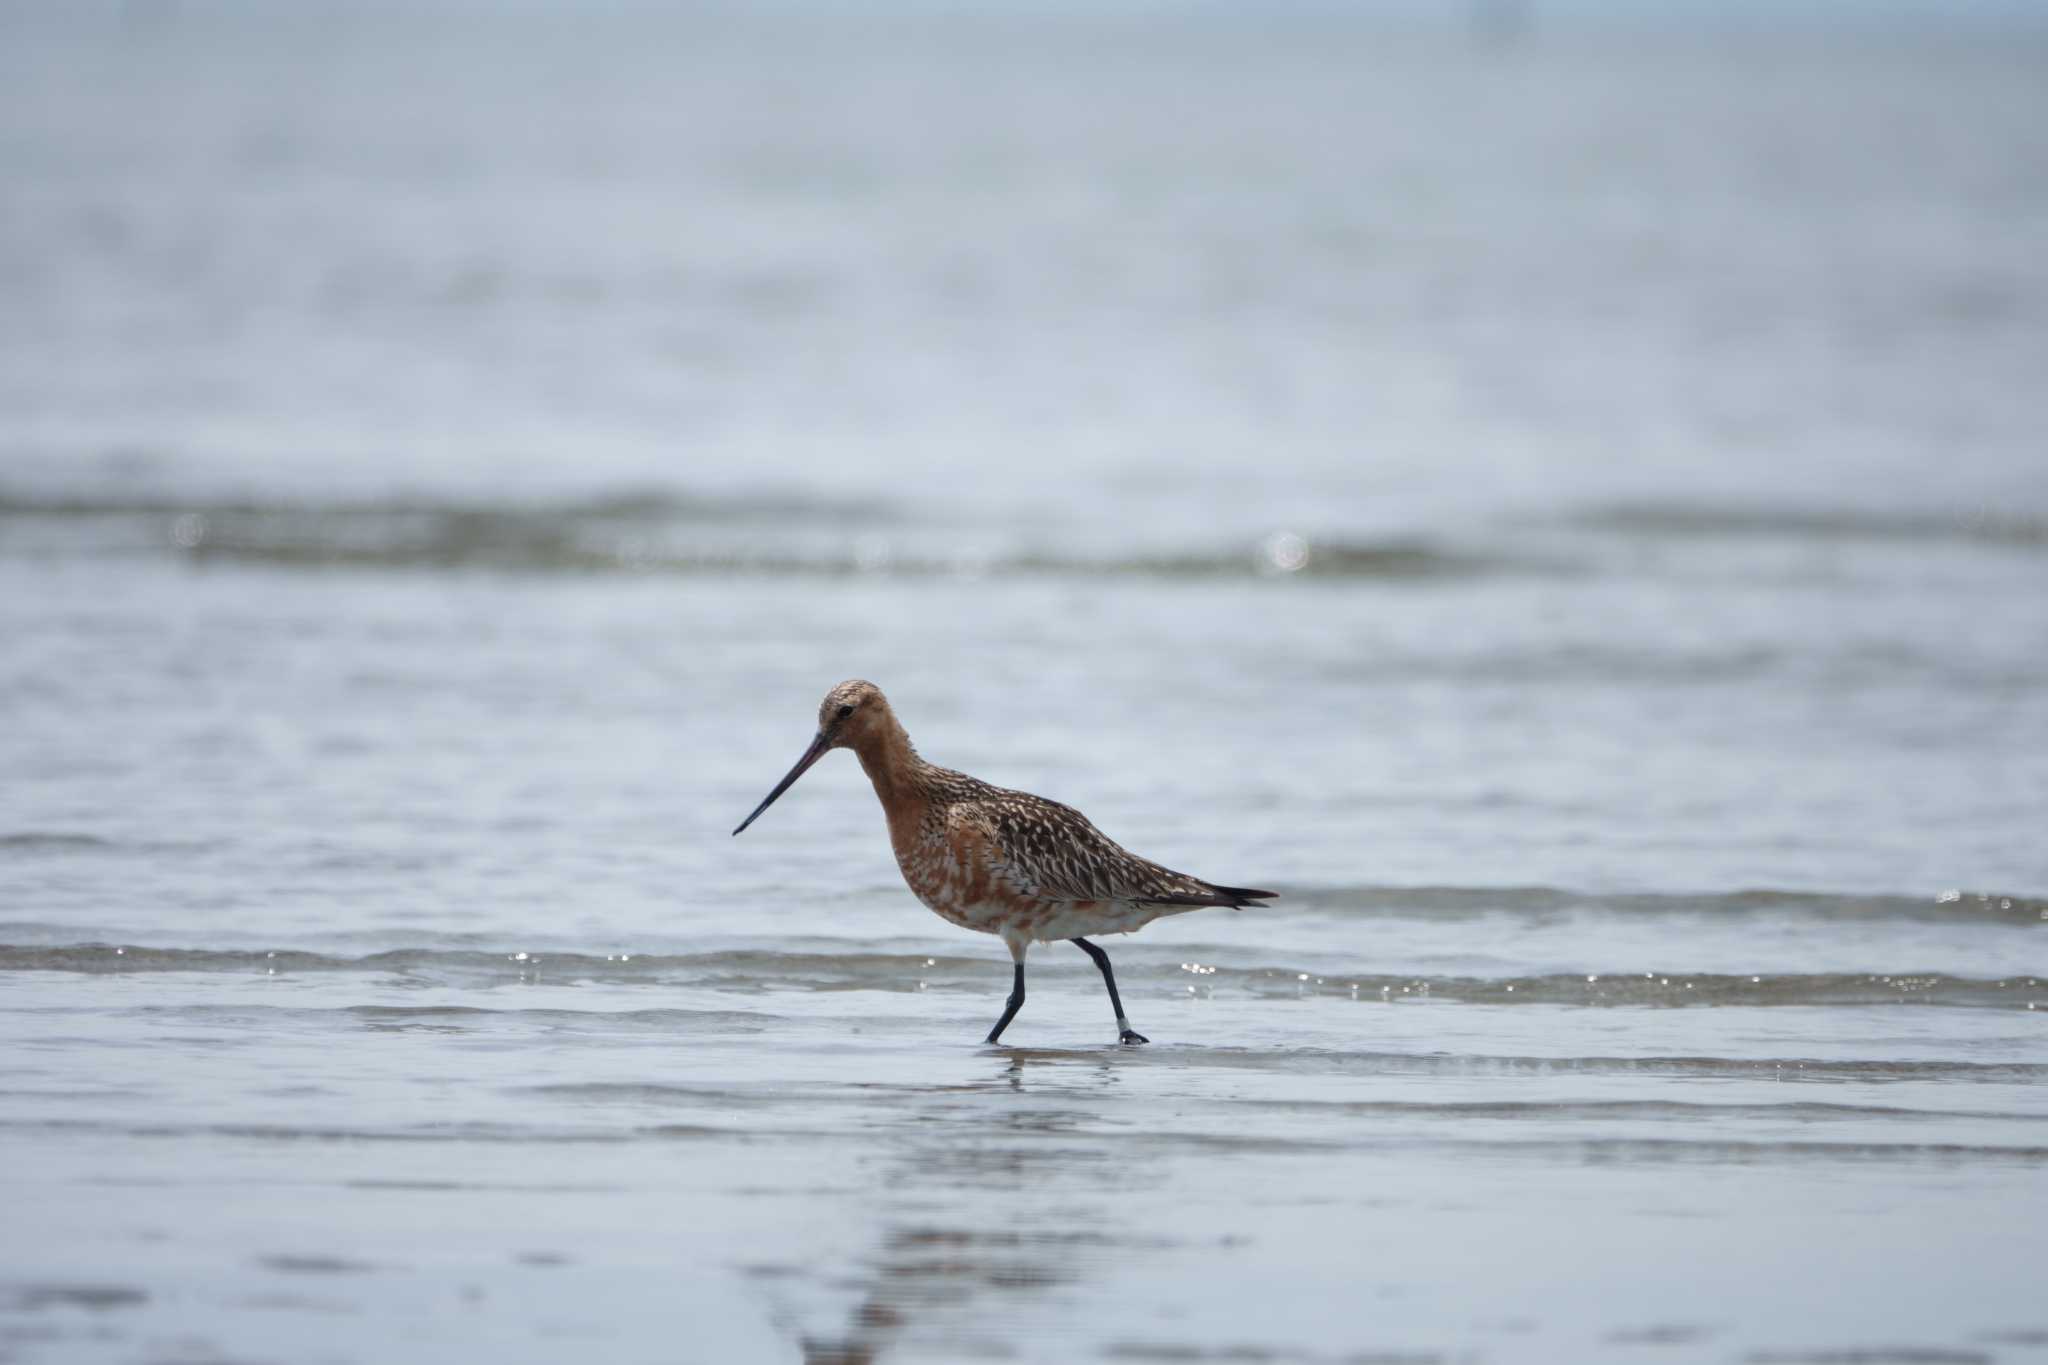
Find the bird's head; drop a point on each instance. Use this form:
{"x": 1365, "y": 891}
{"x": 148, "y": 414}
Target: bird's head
{"x": 854, "y": 715}
{"x": 851, "y": 713}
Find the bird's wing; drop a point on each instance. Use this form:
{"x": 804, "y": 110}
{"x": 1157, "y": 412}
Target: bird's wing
{"x": 1047, "y": 851}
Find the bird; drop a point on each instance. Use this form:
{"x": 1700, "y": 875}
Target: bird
{"x": 1001, "y": 862}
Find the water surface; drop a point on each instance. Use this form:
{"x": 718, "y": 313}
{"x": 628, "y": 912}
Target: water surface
{"x": 1570, "y": 517}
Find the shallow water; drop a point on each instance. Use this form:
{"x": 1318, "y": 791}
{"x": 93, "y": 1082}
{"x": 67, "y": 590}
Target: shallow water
{"x": 1568, "y": 517}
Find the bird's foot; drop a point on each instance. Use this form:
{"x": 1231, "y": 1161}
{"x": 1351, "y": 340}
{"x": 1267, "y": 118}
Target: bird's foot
{"x": 1131, "y": 1035}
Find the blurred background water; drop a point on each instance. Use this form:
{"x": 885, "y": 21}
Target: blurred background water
{"x": 1557, "y": 492}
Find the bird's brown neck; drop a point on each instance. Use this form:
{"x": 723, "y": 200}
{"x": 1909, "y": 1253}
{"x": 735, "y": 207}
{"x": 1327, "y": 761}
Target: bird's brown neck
{"x": 886, "y": 756}
{"x": 893, "y": 766}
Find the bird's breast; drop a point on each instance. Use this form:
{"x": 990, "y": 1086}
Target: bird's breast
{"x": 954, "y": 872}
{"x": 941, "y": 867}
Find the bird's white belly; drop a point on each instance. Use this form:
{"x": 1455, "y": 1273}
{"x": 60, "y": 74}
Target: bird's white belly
{"x": 1042, "y": 921}
{"x": 1070, "y": 920}
{"x": 984, "y": 917}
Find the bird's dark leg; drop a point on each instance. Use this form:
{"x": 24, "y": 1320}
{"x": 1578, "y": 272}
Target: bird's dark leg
{"x": 1125, "y": 1033}
{"x": 1016, "y": 1003}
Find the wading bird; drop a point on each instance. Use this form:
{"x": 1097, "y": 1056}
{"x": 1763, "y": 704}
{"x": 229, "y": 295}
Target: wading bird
{"x": 1001, "y": 862}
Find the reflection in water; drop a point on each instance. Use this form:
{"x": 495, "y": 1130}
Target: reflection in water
{"x": 921, "y": 1270}
{"x": 1011, "y": 1137}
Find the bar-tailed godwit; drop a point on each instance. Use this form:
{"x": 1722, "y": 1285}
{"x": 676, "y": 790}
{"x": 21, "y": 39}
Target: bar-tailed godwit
{"x": 1001, "y": 862}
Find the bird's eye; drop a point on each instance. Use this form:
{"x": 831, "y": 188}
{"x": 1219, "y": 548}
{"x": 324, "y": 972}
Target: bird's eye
{"x": 846, "y": 710}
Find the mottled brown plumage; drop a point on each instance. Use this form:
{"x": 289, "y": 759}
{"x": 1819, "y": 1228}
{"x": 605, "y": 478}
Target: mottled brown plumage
{"x": 999, "y": 861}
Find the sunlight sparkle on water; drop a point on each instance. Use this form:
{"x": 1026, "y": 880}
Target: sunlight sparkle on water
{"x": 1283, "y": 552}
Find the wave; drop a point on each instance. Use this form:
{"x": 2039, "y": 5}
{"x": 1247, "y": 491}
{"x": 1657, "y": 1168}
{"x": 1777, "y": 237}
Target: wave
{"x": 1364, "y": 900}
{"x": 1682, "y": 1111}
{"x": 288, "y": 1132}
{"x": 1331, "y": 1062}
{"x": 625, "y": 504}
{"x": 62, "y": 843}
{"x": 1631, "y": 1150}
{"x": 558, "y": 552}
{"x": 647, "y": 532}
{"x": 1945, "y": 907}
{"x": 1508, "y": 1145}
{"x": 51, "y": 841}
{"x": 1652, "y": 988}
{"x": 1724, "y": 520}
{"x": 782, "y": 532}
{"x": 743, "y": 968}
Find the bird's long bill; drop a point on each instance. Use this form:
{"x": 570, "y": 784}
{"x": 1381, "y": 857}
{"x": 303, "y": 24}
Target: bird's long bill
{"x": 818, "y": 749}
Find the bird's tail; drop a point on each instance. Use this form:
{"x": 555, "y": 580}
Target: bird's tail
{"x": 1234, "y": 897}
